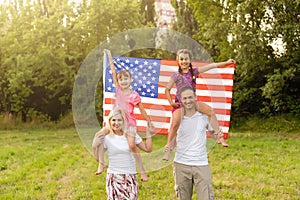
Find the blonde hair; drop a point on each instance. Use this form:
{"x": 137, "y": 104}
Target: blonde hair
{"x": 114, "y": 112}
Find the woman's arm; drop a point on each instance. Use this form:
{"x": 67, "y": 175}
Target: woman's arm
{"x": 146, "y": 145}
{"x": 112, "y": 68}
{"x": 215, "y": 65}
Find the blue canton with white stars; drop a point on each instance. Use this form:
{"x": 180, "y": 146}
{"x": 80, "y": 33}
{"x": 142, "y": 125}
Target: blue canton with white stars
{"x": 145, "y": 75}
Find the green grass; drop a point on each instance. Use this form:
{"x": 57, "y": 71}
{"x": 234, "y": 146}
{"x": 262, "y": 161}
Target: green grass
{"x": 54, "y": 164}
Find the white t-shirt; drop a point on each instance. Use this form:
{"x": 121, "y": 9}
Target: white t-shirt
{"x": 191, "y": 140}
{"x": 121, "y": 160}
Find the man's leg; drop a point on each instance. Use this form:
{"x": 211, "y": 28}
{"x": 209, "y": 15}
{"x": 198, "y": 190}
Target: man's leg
{"x": 203, "y": 182}
{"x": 183, "y": 181}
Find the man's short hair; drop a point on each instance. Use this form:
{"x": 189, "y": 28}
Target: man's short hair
{"x": 187, "y": 88}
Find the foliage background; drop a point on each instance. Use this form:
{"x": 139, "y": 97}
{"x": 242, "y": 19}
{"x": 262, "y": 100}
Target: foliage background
{"x": 43, "y": 43}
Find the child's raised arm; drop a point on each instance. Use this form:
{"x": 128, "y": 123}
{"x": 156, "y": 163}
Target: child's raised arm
{"x": 215, "y": 65}
{"x": 112, "y": 67}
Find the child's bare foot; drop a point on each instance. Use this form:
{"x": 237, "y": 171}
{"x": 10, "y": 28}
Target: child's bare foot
{"x": 220, "y": 138}
{"x": 167, "y": 151}
{"x": 100, "y": 169}
{"x": 222, "y": 141}
{"x": 144, "y": 177}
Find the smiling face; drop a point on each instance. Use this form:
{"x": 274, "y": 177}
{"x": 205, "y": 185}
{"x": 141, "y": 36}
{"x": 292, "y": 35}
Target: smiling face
{"x": 124, "y": 79}
{"x": 184, "y": 59}
{"x": 117, "y": 123}
{"x": 188, "y": 99}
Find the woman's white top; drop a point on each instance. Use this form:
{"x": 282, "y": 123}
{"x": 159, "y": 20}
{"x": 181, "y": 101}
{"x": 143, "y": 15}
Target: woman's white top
{"x": 121, "y": 160}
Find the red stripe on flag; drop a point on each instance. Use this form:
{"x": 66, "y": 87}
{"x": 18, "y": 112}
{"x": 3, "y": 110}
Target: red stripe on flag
{"x": 214, "y": 87}
{"x": 171, "y": 63}
{"x": 200, "y": 64}
{"x": 216, "y": 76}
{"x": 227, "y": 88}
{"x": 174, "y": 63}
{"x": 203, "y": 75}
{"x": 222, "y": 111}
{"x": 214, "y": 99}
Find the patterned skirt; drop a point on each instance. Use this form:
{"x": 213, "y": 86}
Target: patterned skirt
{"x": 121, "y": 187}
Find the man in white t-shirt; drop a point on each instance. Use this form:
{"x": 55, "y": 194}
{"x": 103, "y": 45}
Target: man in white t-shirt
{"x": 191, "y": 163}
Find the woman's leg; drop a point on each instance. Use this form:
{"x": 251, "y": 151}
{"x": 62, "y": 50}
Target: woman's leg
{"x": 207, "y": 110}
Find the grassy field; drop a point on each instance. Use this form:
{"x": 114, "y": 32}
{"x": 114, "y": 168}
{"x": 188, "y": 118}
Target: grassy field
{"x": 54, "y": 164}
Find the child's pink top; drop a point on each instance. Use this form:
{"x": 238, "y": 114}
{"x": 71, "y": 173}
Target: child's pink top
{"x": 183, "y": 80}
{"x": 127, "y": 103}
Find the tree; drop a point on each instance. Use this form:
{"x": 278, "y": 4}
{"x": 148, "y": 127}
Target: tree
{"x": 148, "y": 11}
{"x": 43, "y": 44}
{"x": 265, "y": 80}
{"x": 282, "y": 87}
{"x": 185, "y": 20}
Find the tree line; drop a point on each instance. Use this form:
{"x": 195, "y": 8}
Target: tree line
{"x": 43, "y": 43}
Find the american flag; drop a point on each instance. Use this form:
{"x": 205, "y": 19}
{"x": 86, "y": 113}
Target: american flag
{"x": 150, "y": 77}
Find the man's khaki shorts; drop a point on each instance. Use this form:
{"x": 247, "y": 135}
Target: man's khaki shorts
{"x": 187, "y": 176}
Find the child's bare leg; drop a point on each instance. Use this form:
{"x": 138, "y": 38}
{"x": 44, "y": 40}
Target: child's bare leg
{"x": 137, "y": 156}
{"x": 101, "y": 165}
{"x": 176, "y": 119}
{"x": 98, "y": 151}
{"x": 206, "y": 109}
{"x": 220, "y": 138}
